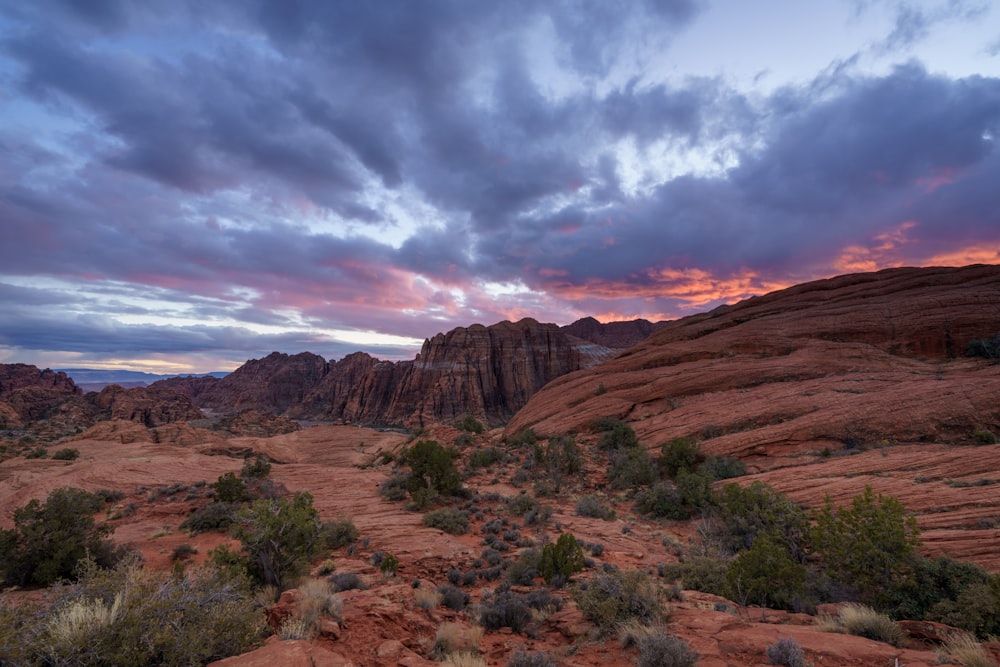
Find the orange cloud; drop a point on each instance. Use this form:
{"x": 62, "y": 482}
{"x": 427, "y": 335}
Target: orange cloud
{"x": 966, "y": 256}
{"x": 883, "y": 252}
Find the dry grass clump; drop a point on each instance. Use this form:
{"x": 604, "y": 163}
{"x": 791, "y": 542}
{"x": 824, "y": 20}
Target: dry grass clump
{"x": 464, "y": 660}
{"x": 456, "y": 638}
{"x": 632, "y": 632}
{"x": 317, "y": 601}
{"x": 295, "y": 628}
{"x": 862, "y": 621}
{"x": 963, "y": 649}
{"x": 80, "y": 618}
{"x": 427, "y": 598}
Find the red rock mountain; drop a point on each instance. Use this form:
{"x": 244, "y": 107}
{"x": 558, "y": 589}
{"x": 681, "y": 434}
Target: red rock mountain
{"x": 489, "y": 372}
{"x": 855, "y": 358}
{"x": 28, "y": 394}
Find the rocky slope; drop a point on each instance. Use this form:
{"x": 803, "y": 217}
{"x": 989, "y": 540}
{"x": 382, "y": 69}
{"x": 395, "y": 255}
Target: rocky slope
{"x": 489, "y": 372}
{"x": 28, "y": 394}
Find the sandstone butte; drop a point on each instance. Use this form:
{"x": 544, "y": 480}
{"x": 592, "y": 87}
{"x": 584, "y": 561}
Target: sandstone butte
{"x": 820, "y": 389}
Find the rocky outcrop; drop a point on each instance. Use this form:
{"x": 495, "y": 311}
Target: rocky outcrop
{"x": 489, "y": 372}
{"x": 28, "y": 394}
{"x": 147, "y": 406}
{"x": 615, "y": 335}
{"x": 835, "y": 363}
{"x": 258, "y": 424}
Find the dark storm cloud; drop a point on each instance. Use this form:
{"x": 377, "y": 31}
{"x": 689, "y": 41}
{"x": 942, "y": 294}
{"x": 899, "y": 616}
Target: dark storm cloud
{"x": 257, "y": 155}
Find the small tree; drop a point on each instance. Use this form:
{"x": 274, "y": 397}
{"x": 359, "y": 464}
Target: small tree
{"x": 48, "y": 540}
{"x": 432, "y": 470}
{"x": 677, "y": 455}
{"x": 765, "y": 574}
{"x": 230, "y": 489}
{"x": 562, "y": 559}
{"x": 865, "y": 546}
{"x": 744, "y": 512}
{"x": 279, "y": 536}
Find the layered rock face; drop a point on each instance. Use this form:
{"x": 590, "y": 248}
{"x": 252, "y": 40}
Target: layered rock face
{"x": 28, "y": 394}
{"x": 489, "y": 372}
{"x": 147, "y": 406}
{"x": 852, "y": 360}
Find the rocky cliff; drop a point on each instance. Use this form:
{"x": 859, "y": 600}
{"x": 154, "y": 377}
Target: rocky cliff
{"x": 489, "y": 372}
{"x": 28, "y": 394}
{"x": 147, "y": 406}
{"x": 853, "y": 360}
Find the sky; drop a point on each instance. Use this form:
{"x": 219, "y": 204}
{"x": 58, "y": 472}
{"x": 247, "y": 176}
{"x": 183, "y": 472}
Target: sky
{"x": 187, "y": 185}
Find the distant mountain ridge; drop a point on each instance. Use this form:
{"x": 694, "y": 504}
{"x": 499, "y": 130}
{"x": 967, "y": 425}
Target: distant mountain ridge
{"x": 486, "y": 371}
{"x": 95, "y": 379}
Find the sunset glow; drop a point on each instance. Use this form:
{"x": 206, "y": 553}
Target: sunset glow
{"x": 189, "y": 186}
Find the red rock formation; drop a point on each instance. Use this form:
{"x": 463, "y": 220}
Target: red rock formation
{"x": 853, "y": 358}
{"x": 616, "y": 335}
{"x": 146, "y": 405}
{"x": 29, "y": 394}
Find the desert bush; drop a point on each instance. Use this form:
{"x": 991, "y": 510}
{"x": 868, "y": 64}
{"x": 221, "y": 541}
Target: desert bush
{"x": 662, "y": 500}
{"x": 470, "y": 424}
{"x": 456, "y": 638}
{"x": 562, "y": 559}
{"x": 522, "y": 503}
{"x": 487, "y": 456}
{"x": 49, "y": 539}
{"x": 327, "y": 567}
{"x": 67, "y": 454}
{"x": 619, "y": 436}
{"x": 862, "y": 621}
{"x": 492, "y": 556}
{"x": 976, "y": 609}
{"x": 699, "y": 573}
{"x": 129, "y": 616}
{"x": 279, "y": 536}
{"x": 339, "y": 533}
{"x": 521, "y": 658}
{"x": 389, "y": 565}
{"x": 786, "y": 652}
{"x": 454, "y": 598}
{"x": 394, "y": 488}
{"x": 663, "y": 650}
{"x": 522, "y": 572}
{"x": 933, "y": 584}
{"x": 38, "y": 452}
{"x": 678, "y": 454}
{"x": 980, "y": 436}
{"x": 865, "y": 546}
{"x": 524, "y": 438}
{"x": 766, "y": 574}
{"x": 230, "y": 489}
{"x": 427, "y": 598}
{"x": 630, "y": 467}
{"x": 561, "y": 455}
{"x": 744, "y": 512}
{"x": 215, "y": 516}
{"x": 109, "y": 495}
{"x": 614, "y": 597}
{"x": 448, "y": 519}
{"x": 591, "y": 506}
{"x": 505, "y": 610}
{"x": 346, "y": 581}
{"x": 464, "y": 659}
{"x": 256, "y": 468}
{"x": 318, "y": 600}
{"x": 182, "y": 552}
{"x": 723, "y": 467}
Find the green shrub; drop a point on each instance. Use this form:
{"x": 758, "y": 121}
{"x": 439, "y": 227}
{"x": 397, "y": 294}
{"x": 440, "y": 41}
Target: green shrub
{"x": 744, "y": 512}
{"x": 766, "y": 575}
{"x": 463, "y": 440}
{"x": 630, "y": 467}
{"x": 524, "y": 438}
{"x": 49, "y": 540}
{"x": 604, "y": 424}
{"x": 522, "y": 503}
{"x": 591, "y": 506}
{"x": 215, "y": 516}
{"x": 128, "y": 616}
{"x": 611, "y": 598}
{"x": 562, "y": 559}
{"x": 67, "y": 454}
{"x": 976, "y": 609}
{"x": 699, "y": 573}
{"x": 865, "y": 546}
{"x": 257, "y": 468}
{"x": 448, "y": 519}
{"x": 984, "y": 437}
{"x": 38, "y": 452}
{"x": 522, "y": 572}
{"x": 182, "y": 552}
{"x": 505, "y": 610}
{"x": 279, "y": 536}
{"x": 723, "y": 467}
{"x": 933, "y": 583}
{"x": 561, "y": 455}
{"x": 339, "y": 533}
{"x": 432, "y": 471}
{"x": 662, "y": 500}
{"x": 659, "y": 649}
{"x": 470, "y": 424}
{"x": 487, "y": 456}
{"x": 620, "y": 436}
{"x": 389, "y": 565}
{"x": 394, "y": 488}
{"x": 678, "y": 454}
{"x": 230, "y": 489}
